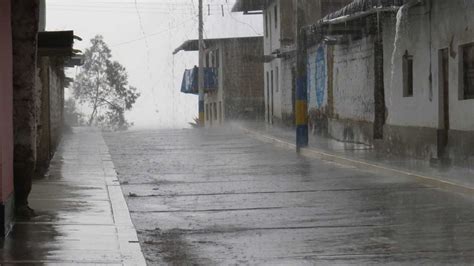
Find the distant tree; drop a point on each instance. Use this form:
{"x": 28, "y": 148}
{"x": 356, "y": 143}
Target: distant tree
{"x": 103, "y": 85}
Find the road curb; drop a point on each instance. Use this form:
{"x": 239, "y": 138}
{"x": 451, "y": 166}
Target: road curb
{"x": 322, "y": 155}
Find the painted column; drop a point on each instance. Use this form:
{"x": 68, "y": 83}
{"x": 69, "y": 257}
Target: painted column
{"x": 301, "y": 107}
{"x": 6, "y": 119}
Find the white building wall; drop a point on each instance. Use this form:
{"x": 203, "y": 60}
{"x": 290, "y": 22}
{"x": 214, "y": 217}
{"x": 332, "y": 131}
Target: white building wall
{"x": 421, "y": 109}
{"x": 453, "y": 26}
{"x": 354, "y": 80}
{"x": 271, "y": 44}
{"x": 287, "y": 86}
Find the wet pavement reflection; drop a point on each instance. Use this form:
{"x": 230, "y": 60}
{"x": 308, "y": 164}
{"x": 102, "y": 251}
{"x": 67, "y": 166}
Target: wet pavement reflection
{"x": 80, "y": 217}
{"x": 220, "y": 197}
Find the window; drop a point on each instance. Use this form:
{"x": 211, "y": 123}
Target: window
{"x": 407, "y": 75}
{"x": 276, "y": 16}
{"x": 467, "y": 72}
{"x": 217, "y": 58}
{"x": 277, "y": 79}
{"x": 213, "y": 59}
{"x": 207, "y": 59}
{"x": 215, "y": 111}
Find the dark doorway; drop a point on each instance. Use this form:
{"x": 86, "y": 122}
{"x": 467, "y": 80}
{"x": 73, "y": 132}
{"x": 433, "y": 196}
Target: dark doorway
{"x": 293, "y": 94}
{"x": 271, "y": 95}
{"x": 443, "y": 131}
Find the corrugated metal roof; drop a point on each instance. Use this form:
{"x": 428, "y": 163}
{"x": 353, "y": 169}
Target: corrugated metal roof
{"x": 193, "y": 45}
{"x": 362, "y": 6}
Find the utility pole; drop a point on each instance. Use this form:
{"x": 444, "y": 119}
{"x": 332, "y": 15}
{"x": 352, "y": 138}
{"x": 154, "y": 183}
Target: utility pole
{"x": 201, "y": 66}
{"x": 301, "y": 112}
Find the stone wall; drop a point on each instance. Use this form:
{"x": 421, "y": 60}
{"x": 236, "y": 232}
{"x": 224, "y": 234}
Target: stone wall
{"x": 25, "y": 18}
{"x": 243, "y": 78}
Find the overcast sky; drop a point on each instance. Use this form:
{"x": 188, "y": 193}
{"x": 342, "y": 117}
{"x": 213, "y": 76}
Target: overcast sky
{"x": 143, "y": 42}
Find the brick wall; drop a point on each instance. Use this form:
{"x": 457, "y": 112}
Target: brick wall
{"x": 243, "y": 78}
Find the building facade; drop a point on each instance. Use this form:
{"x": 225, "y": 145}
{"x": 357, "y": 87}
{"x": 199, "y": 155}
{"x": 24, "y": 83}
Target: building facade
{"x": 238, "y": 92}
{"x": 31, "y": 96}
{"x": 428, "y": 72}
{"x": 397, "y": 75}
{"x": 279, "y": 22}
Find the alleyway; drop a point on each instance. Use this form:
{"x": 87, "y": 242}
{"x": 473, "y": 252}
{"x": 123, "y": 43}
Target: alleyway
{"x": 220, "y": 197}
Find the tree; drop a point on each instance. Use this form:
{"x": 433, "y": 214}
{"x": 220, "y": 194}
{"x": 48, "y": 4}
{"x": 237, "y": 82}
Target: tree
{"x": 103, "y": 85}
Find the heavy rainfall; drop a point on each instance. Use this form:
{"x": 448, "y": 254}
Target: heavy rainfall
{"x": 237, "y": 132}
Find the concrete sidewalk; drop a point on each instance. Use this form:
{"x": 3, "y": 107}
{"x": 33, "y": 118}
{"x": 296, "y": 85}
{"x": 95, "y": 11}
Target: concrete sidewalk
{"x": 457, "y": 177}
{"x": 82, "y": 215}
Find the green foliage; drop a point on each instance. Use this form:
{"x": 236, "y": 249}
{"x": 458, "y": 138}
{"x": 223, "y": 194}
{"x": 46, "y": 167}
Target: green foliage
{"x": 103, "y": 85}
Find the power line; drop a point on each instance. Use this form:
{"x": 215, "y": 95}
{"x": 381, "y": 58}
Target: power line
{"x": 152, "y": 34}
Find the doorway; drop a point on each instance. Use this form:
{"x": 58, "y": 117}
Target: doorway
{"x": 271, "y": 96}
{"x": 444, "y": 125}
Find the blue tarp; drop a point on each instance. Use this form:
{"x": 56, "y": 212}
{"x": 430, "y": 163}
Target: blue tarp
{"x": 190, "y": 80}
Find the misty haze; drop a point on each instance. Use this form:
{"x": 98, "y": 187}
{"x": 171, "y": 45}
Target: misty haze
{"x": 237, "y": 132}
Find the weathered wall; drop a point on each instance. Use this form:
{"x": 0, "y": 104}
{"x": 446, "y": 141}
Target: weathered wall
{"x": 282, "y": 37}
{"x": 287, "y": 90}
{"x": 243, "y": 78}
{"x": 56, "y": 102}
{"x": 421, "y": 109}
{"x": 25, "y": 17}
{"x": 272, "y": 39}
{"x": 453, "y": 26}
{"x": 50, "y": 113}
{"x": 412, "y": 122}
{"x": 43, "y": 150}
{"x": 6, "y": 108}
{"x": 354, "y": 80}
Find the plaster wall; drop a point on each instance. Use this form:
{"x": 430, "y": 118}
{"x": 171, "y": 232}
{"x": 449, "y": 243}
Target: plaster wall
{"x": 354, "y": 80}
{"x": 453, "y": 26}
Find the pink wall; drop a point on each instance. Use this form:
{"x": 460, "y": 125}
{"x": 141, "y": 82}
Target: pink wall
{"x": 6, "y": 102}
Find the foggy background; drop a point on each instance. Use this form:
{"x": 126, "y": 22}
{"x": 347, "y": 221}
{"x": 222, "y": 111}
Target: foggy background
{"x": 142, "y": 35}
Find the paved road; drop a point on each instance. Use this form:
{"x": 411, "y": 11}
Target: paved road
{"x": 220, "y": 197}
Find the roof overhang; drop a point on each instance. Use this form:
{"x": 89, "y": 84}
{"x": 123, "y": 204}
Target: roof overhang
{"x": 348, "y": 19}
{"x": 193, "y": 45}
{"x": 56, "y": 43}
{"x": 249, "y": 6}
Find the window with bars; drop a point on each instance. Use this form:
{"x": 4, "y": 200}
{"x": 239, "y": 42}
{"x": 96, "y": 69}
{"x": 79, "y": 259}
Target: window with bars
{"x": 467, "y": 71}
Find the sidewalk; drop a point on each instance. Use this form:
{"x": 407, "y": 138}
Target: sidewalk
{"x": 453, "y": 177}
{"x": 82, "y": 215}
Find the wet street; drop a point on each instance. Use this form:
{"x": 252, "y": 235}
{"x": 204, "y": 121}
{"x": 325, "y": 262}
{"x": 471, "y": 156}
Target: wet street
{"x": 220, "y": 197}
